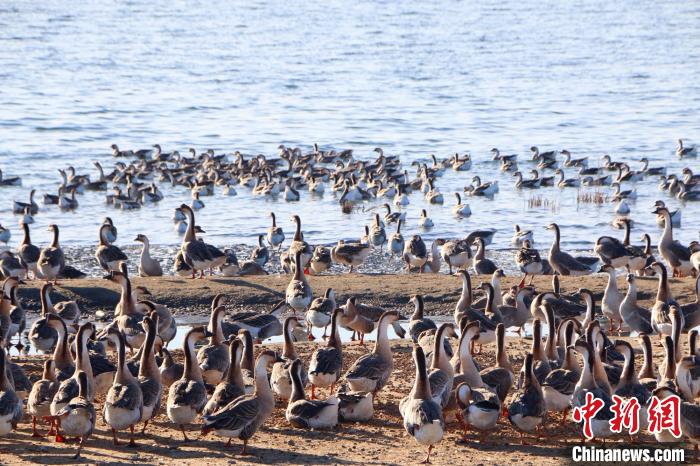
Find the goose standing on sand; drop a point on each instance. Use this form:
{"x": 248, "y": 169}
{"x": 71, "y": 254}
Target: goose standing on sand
{"x": 587, "y": 383}
{"x": 261, "y": 254}
{"x": 10, "y": 404}
{"x": 321, "y": 260}
{"x": 275, "y": 235}
{"x": 415, "y": 254}
{"x": 243, "y": 416}
{"x": 43, "y": 391}
{"x": 527, "y": 409}
{"x": 280, "y": 381}
{"x": 320, "y": 312}
{"x": 637, "y": 318}
{"x": 29, "y": 253}
{"x": 124, "y": 402}
{"x": 661, "y": 320}
{"x": 418, "y": 322}
{"x": 422, "y": 416}
{"x": 51, "y": 260}
{"x": 187, "y": 396}
{"x": 612, "y": 298}
{"x": 441, "y": 374}
{"x": 562, "y": 262}
{"x": 350, "y": 254}
{"x": 148, "y": 267}
{"x": 529, "y": 261}
{"x": 299, "y": 244}
{"x": 232, "y": 386}
{"x": 128, "y": 316}
{"x": 674, "y": 253}
{"x": 213, "y": 358}
{"x": 149, "y": 378}
{"x": 457, "y": 253}
{"x": 309, "y": 414}
{"x": 371, "y": 372}
{"x": 298, "y": 295}
{"x": 194, "y": 252}
{"x": 629, "y": 386}
{"x": 558, "y": 386}
{"x": 327, "y": 363}
{"x": 78, "y": 417}
{"x": 108, "y": 256}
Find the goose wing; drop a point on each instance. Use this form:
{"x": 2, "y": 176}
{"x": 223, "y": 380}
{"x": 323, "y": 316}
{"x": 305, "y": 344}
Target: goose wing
{"x": 326, "y": 361}
{"x": 303, "y": 410}
{"x": 239, "y": 415}
{"x": 562, "y": 380}
{"x": 126, "y": 395}
{"x": 568, "y": 263}
{"x": 369, "y": 366}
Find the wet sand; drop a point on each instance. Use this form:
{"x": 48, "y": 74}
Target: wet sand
{"x": 381, "y": 441}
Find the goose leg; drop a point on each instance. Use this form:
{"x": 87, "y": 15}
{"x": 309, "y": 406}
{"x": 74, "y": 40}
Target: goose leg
{"x": 115, "y": 440}
{"x": 132, "y": 442}
{"x": 522, "y": 282}
{"x": 34, "y": 431}
{"x": 228, "y": 444}
{"x": 244, "y": 450}
{"x": 145, "y": 424}
{"x": 80, "y": 447}
{"x": 59, "y": 437}
{"x": 184, "y": 434}
{"x": 427, "y": 458}
{"x": 313, "y": 391}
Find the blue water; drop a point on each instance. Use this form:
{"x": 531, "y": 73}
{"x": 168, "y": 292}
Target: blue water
{"x": 412, "y": 77}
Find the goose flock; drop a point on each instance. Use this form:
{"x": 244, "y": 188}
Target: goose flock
{"x": 221, "y": 386}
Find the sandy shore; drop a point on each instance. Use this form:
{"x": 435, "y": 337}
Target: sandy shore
{"x": 381, "y": 441}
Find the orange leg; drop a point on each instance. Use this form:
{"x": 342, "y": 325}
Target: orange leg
{"x": 132, "y": 443}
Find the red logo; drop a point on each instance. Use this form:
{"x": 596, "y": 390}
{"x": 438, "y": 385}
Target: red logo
{"x": 665, "y": 415}
{"x": 626, "y": 414}
{"x": 587, "y": 412}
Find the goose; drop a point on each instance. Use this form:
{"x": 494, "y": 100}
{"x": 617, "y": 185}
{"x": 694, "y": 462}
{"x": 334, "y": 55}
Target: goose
{"x": 232, "y": 386}
{"x": 459, "y": 209}
{"x": 587, "y": 383}
{"x": 26, "y": 217}
{"x": 195, "y": 253}
{"x": 415, "y": 253}
{"x": 10, "y": 181}
{"x": 521, "y": 235}
{"x": 457, "y": 253}
{"x": 666, "y": 387}
{"x": 43, "y": 336}
{"x": 691, "y": 311}
{"x": 123, "y": 405}
{"x": 433, "y": 196}
{"x": 418, "y": 322}
{"x": 18, "y": 317}
{"x": 529, "y": 261}
{"x": 646, "y": 373}
{"x": 377, "y": 234}
{"x": 5, "y": 234}
{"x": 371, "y": 372}
{"x": 558, "y": 386}
{"x": 68, "y": 203}
{"x": 170, "y": 371}
{"x": 520, "y": 183}
{"x": 527, "y": 409}
{"x": 321, "y": 260}
{"x": 308, "y": 414}
{"x": 675, "y": 216}
{"x": 401, "y": 198}
{"x": 279, "y": 378}
{"x": 128, "y": 316}
{"x": 290, "y": 193}
{"x": 682, "y": 151}
{"x": 148, "y": 267}
{"x": 566, "y": 182}
{"x": 441, "y": 373}
{"x": 261, "y": 254}
{"x": 243, "y": 416}
{"x": 350, "y": 254}
{"x": 629, "y": 386}
{"x": 19, "y": 207}
{"x": 298, "y": 243}
{"x": 614, "y": 252}
{"x": 688, "y": 371}
{"x": 607, "y": 375}
{"x": 213, "y": 358}
{"x": 612, "y": 298}
{"x": 149, "y": 378}
{"x": 28, "y": 253}
{"x": 661, "y": 310}
{"x": 354, "y": 320}
{"x": 393, "y": 217}
{"x": 422, "y": 416}
{"x": 187, "y": 396}
{"x": 327, "y": 362}
{"x": 62, "y": 357}
{"x": 11, "y": 408}
{"x": 43, "y": 391}
{"x": 562, "y": 262}
{"x": 298, "y": 293}
{"x": 569, "y": 162}
{"x": 637, "y": 318}
{"x": 275, "y": 234}
{"x": 108, "y": 256}
{"x": 479, "y": 408}
{"x": 424, "y": 221}
{"x": 396, "y": 241}
{"x": 68, "y": 388}
{"x": 10, "y": 265}
{"x": 69, "y": 311}
{"x": 78, "y": 417}
{"x": 51, "y": 259}
{"x": 320, "y": 312}
{"x": 482, "y": 265}
{"x": 685, "y": 194}
{"x": 619, "y": 195}
{"x": 197, "y": 203}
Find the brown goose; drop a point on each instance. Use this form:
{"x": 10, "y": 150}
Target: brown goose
{"x": 51, "y": 259}
{"x": 232, "y": 386}
{"x": 149, "y": 377}
{"x": 562, "y": 262}
{"x": 326, "y": 363}
{"x": 29, "y": 253}
{"x": 108, "y": 256}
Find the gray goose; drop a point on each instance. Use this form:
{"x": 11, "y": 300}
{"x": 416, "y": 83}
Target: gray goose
{"x": 128, "y": 316}
{"x": 123, "y": 405}
{"x": 674, "y": 253}
{"x": 43, "y": 390}
{"x": 326, "y": 363}
{"x": 309, "y": 414}
{"x": 588, "y": 383}
{"x": 149, "y": 378}
{"x": 78, "y": 416}
{"x": 29, "y": 253}
{"x": 350, "y": 254}
{"x": 187, "y": 396}
{"x": 527, "y": 409}
{"x": 418, "y": 322}
{"x": 213, "y": 358}
{"x": 279, "y": 378}
{"x": 637, "y": 318}
{"x": 529, "y": 261}
{"x": 457, "y": 253}
{"x": 243, "y": 416}
{"x": 415, "y": 254}
{"x": 422, "y": 416}
{"x": 51, "y": 259}
{"x": 561, "y": 262}
{"x": 10, "y": 403}
{"x": 298, "y": 293}
{"x": 194, "y": 253}
{"x": 320, "y": 312}
{"x": 482, "y": 265}
{"x": 232, "y": 386}
{"x": 629, "y": 386}
{"x": 558, "y": 386}
{"x": 108, "y": 256}
{"x": 441, "y": 374}
{"x": 275, "y": 234}
{"x": 298, "y": 243}
{"x": 148, "y": 267}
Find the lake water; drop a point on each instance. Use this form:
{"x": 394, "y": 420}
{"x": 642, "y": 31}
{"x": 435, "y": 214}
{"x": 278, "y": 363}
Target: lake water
{"x": 415, "y": 78}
